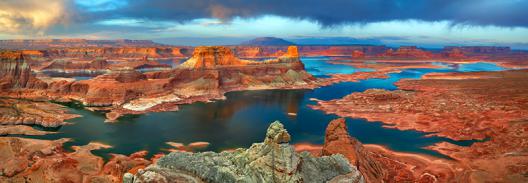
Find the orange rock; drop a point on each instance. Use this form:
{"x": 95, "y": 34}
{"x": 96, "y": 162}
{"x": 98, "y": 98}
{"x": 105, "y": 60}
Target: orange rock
{"x": 357, "y": 54}
{"x": 337, "y": 140}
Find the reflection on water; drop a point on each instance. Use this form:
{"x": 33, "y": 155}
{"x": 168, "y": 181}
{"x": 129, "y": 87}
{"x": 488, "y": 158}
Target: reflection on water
{"x": 243, "y": 117}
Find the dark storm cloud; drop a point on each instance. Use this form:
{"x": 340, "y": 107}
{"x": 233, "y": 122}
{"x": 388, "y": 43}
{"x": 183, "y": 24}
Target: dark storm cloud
{"x": 508, "y": 13}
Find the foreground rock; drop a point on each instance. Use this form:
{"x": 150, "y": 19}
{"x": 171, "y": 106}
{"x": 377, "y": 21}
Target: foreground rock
{"x": 274, "y": 160}
{"x": 460, "y": 106}
{"x": 32, "y": 160}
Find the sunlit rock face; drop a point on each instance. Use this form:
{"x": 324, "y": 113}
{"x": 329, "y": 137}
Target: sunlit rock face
{"x": 274, "y": 160}
{"x": 209, "y": 57}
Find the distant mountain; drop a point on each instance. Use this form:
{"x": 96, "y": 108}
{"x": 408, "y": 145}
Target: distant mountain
{"x": 267, "y": 41}
{"x": 336, "y": 41}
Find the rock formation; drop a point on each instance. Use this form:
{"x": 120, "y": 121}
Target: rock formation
{"x": 213, "y": 57}
{"x": 337, "y": 140}
{"x": 357, "y": 54}
{"x": 32, "y": 160}
{"x": 21, "y": 130}
{"x": 274, "y": 160}
{"x": 378, "y": 164}
{"x": 15, "y": 73}
{"x": 23, "y": 112}
{"x": 454, "y": 53}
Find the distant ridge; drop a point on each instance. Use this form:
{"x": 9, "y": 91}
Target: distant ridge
{"x": 65, "y": 43}
{"x": 267, "y": 41}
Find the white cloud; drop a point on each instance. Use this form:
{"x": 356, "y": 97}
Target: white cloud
{"x": 34, "y": 16}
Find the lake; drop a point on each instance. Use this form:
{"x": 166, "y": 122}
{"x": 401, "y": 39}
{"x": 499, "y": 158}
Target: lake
{"x": 243, "y": 117}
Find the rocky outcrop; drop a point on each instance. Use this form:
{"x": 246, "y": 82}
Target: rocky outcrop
{"x": 337, "y": 140}
{"x": 24, "y": 112}
{"x": 357, "y": 54}
{"x": 15, "y": 73}
{"x": 274, "y": 160}
{"x": 454, "y": 53}
{"x": 379, "y": 164}
{"x": 127, "y": 75}
{"x": 21, "y": 130}
{"x": 32, "y": 160}
{"x": 210, "y": 57}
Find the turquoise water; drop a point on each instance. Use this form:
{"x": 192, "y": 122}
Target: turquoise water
{"x": 80, "y": 78}
{"x": 243, "y": 117}
{"x": 472, "y": 67}
{"x": 318, "y": 67}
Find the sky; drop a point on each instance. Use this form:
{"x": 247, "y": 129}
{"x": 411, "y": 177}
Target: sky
{"x": 427, "y": 23}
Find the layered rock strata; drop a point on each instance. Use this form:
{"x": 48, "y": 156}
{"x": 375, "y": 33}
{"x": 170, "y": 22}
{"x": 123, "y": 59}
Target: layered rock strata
{"x": 15, "y": 73}
{"x": 273, "y": 160}
{"x": 23, "y": 112}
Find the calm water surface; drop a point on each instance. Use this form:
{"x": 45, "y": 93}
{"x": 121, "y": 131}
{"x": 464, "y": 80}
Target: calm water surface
{"x": 243, "y": 117}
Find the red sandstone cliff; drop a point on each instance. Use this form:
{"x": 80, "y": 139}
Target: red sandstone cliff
{"x": 117, "y": 52}
{"x": 15, "y": 72}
